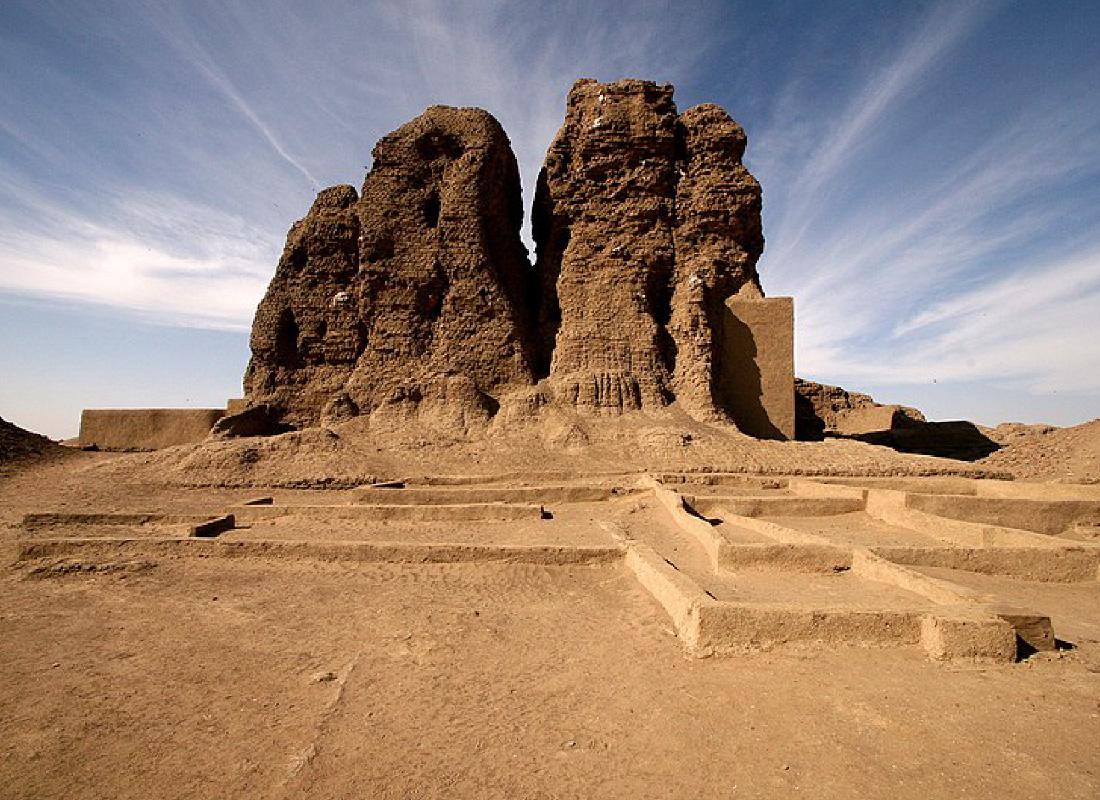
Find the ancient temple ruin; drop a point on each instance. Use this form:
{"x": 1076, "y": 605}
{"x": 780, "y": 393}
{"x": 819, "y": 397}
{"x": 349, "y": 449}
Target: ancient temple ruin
{"x": 418, "y": 289}
{"x": 415, "y": 298}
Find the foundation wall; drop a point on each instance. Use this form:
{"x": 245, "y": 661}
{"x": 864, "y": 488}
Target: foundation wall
{"x": 869, "y": 419}
{"x": 755, "y": 375}
{"x": 1041, "y": 516}
{"x": 145, "y": 428}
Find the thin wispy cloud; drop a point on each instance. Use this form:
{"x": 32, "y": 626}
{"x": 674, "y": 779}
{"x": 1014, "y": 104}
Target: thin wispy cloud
{"x": 270, "y": 89}
{"x": 234, "y": 96}
{"x": 942, "y": 28}
{"x": 161, "y": 260}
{"x": 943, "y": 245}
{"x": 1038, "y": 330}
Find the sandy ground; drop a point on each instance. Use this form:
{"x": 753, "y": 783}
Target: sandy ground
{"x": 348, "y": 454}
{"x": 210, "y": 678}
{"x": 197, "y": 679}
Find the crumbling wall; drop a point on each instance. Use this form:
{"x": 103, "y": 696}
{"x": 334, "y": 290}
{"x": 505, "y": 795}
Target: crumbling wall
{"x": 415, "y": 290}
{"x": 718, "y": 239}
{"x": 821, "y": 408}
{"x": 145, "y": 428}
{"x": 308, "y": 333}
{"x": 645, "y": 221}
{"x": 414, "y": 299}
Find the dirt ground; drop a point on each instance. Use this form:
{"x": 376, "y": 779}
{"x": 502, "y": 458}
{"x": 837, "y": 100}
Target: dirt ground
{"x": 202, "y": 679}
{"x": 192, "y": 677}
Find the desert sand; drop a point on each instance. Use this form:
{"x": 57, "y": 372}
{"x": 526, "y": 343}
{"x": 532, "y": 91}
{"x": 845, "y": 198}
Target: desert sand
{"x": 139, "y": 662}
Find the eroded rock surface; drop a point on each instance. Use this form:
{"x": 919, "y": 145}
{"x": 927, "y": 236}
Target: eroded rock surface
{"x": 17, "y": 444}
{"x": 308, "y": 332}
{"x": 645, "y": 221}
{"x": 718, "y": 239}
{"x": 821, "y": 408}
{"x": 414, "y": 300}
{"x": 416, "y": 290}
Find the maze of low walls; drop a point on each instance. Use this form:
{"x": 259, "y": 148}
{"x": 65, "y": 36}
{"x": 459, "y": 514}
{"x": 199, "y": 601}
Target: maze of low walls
{"x": 145, "y": 428}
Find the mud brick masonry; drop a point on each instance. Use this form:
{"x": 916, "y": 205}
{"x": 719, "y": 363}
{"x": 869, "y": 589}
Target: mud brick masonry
{"x": 415, "y": 295}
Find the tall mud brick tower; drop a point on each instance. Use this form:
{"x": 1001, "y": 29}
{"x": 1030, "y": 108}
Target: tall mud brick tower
{"x": 413, "y": 291}
{"x": 645, "y": 222}
{"x": 414, "y": 299}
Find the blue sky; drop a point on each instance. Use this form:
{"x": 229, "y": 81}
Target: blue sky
{"x": 931, "y": 175}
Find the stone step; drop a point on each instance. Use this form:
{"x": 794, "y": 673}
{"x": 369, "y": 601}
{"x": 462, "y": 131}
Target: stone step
{"x": 466, "y": 512}
{"x": 742, "y": 506}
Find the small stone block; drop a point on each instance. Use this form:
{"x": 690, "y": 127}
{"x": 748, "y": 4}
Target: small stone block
{"x": 968, "y": 638}
{"x": 1034, "y": 630}
{"x": 213, "y": 527}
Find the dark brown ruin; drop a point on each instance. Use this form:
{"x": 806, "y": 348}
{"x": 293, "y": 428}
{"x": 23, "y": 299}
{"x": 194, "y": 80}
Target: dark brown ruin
{"x": 645, "y": 222}
{"x": 414, "y": 300}
{"x": 414, "y": 291}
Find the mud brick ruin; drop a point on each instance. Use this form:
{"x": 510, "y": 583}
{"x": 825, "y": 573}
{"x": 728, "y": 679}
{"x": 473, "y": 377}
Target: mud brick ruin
{"x": 414, "y": 301}
{"x": 448, "y": 399}
{"x": 416, "y": 294}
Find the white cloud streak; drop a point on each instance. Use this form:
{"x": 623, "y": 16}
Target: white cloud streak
{"x": 160, "y": 259}
{"x": 1038, "y": 329}
{"x": 946, "y": 269}
{"x": 226, "y": 87}
{"x": 333, "y": 85}
{"x": 943, "y": 27}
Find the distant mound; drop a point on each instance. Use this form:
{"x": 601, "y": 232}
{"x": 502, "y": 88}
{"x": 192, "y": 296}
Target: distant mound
{"x": 1043, "y": 452}
{"x": 17, "y": 444}
{"x": 565, "y": 442}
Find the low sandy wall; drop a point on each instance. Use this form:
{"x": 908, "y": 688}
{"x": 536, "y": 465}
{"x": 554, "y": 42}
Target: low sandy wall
{"x": 468, "y": 512}
{"x": 446, "y": 495}
{"x": 1027, "y": 490}
{"x": 1054, "y": 565}
{"x": 145, "y": 428}
{"x": 775, "y": 506}
{"x": 365, "y": 552}
{"x": 1041, "y": 516}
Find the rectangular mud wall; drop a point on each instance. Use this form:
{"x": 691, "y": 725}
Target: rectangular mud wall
{"x": 145, "y": 428}
{"x": 755, "y": 376}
